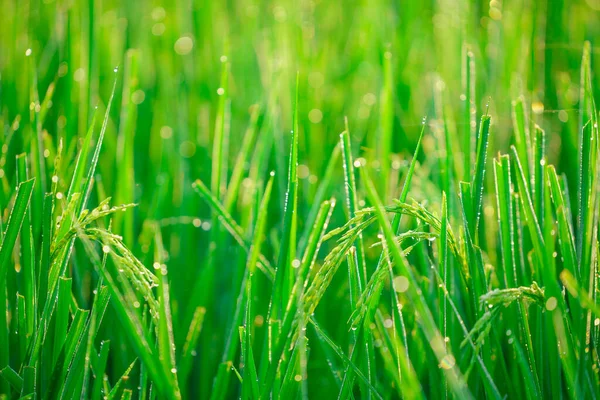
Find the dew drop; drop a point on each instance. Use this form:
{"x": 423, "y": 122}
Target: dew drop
{"x": 551, "y": 303}
{"x": 447, "y": 362}
{"x": 400, "y": 284}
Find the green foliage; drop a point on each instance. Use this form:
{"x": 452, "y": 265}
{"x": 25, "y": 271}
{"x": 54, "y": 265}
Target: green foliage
{"x": 242, "y": 199}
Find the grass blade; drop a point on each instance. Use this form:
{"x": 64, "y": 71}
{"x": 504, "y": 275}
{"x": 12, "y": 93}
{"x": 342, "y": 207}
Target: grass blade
{"x": 478, "y": 178}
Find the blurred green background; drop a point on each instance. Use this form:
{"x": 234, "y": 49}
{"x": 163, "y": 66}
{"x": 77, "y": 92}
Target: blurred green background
{"x": 338, "y": 48}
{"x": 385, "y": 65}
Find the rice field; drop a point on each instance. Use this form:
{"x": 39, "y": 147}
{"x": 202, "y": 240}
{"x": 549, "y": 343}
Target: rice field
{"x": 309, "y": 199}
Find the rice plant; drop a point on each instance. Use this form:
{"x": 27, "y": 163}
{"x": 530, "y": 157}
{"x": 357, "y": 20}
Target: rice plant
{"x": 299, "y": 199}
